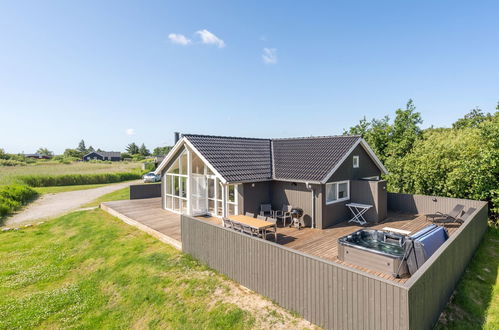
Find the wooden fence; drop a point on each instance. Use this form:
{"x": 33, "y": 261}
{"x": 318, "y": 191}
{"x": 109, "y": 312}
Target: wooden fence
{"x": 147, "y": 190}
{"x": 332, "y": 295}
{"x": 432, "y": 285}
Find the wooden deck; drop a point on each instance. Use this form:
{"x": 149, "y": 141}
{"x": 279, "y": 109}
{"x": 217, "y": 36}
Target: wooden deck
{"x": 324, "y": 243}
{"x": 147, "y": 215}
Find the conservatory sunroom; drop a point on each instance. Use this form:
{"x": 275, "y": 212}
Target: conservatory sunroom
{"x": 192, "y": 187}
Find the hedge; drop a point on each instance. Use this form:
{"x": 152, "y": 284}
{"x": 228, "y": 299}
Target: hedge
{"x": 12, "y": 197}
{"x": 77, "y": 179}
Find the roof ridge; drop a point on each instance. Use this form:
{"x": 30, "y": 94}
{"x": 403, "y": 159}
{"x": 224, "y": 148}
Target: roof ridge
{"x": 226, "y": 137}
{"x": 317, "y": 137}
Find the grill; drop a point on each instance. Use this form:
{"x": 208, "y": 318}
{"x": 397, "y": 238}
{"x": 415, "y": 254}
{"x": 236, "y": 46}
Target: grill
{"x": 296, "y": 214}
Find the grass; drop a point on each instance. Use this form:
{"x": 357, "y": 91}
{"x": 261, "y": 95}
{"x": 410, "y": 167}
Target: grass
{"x": 117, "y": 195}
{"x": 475, "y": 303}
{"x": 9, "y": 174}
{"x": 89, "y": 270}
{"x": 13, "y": 197}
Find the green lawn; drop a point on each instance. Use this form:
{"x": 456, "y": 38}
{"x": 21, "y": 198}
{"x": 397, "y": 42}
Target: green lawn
{"x": 475, "y": 304}
{"x": 8, "y": 174}
{"x": 117, "y": 195}
{"x": 89, "y": 270}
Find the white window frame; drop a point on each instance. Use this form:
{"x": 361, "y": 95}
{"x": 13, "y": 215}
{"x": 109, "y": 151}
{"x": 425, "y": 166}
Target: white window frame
{"x": 336, "y": 184}
{"x": 235, "y": 203}
{"x": 356, "y": 161}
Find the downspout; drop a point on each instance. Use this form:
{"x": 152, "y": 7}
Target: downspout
{"x": 311, "y": 188}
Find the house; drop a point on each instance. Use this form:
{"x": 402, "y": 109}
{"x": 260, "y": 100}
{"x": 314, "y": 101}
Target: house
{"x": 38, "y": 156}
{"x": 103, "y": 155}
{"x": 221, "y": 176}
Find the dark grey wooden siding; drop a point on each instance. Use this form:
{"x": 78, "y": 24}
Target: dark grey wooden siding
{"x": 372, "y": 193}
{"x": 328, "y": 294}
{"x": 296, "y": 194}
{"x": 367, "y": 167}
{"x": 139, "y": 191}
{"x": 254, "y": 194}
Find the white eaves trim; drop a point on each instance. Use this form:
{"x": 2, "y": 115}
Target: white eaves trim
{"x": 369, "y": 151}
{"x": 176, "y": 148}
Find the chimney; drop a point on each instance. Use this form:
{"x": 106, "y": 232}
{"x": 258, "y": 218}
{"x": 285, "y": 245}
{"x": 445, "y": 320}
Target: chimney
{"x": 176, "y": 137}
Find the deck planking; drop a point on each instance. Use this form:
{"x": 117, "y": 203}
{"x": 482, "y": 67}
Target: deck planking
{"x": 320, "y": 243}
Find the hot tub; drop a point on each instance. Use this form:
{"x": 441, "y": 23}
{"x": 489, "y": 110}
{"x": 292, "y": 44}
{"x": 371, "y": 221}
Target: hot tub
{"x": 375, "y": 250}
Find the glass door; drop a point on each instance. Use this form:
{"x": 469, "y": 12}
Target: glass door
{"x": 199, "y": 194}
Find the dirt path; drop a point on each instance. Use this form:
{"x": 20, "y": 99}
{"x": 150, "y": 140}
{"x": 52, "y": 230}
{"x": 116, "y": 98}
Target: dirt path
{"x": 52, "y": 205}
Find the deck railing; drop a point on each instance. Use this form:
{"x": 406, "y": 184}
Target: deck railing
{"x": 332, "y": 295}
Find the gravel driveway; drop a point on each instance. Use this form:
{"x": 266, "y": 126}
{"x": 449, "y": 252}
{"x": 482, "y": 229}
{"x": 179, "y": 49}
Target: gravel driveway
{"x": 52, "y": 205}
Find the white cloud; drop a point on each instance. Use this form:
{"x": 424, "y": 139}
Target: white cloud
{"x": 269, "y": 55}
{"x": 130, "y": 131}
{"x": 179, "y": 39}
{"x": 209, "y": 38}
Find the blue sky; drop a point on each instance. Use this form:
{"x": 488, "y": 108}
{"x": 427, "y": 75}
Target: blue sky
{"x": 98, "y": 70}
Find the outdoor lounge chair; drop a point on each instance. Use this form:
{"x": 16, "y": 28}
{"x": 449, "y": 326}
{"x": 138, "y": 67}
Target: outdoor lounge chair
{"x": 466, "y": 215}
{"x": 266, "y": 210}
{"x": 452, "y": 216}
{"x": 284, "y": 214}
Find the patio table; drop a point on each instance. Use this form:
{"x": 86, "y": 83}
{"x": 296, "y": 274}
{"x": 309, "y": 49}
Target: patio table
{"x": 358, "y": 210}
{"x": 259, "y": 225}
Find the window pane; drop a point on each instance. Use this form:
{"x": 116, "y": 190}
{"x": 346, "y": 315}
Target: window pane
{"x": 231, "y": 208}
{"x": 174, "y": 168}
{"x": 183, "y": 206}
{"x": 176, "y": 186}
{"x": 219, "y": 191}
{"x": 232, "y": 193}
{"x": 331, "y": 192}
{"x": 168, "y": 184}
{"x": 169, "y": 202}
{"x": 343, "y": 190}
{"x": 211, "y": 206}
{"x": 183, "y": 164}
{"x": 176, "y": 205}
{"x": 197, "y": 164}
{"x": 211, "y": 188}
{"x": 208, "y": 171}
{"x": 219, "y": 208}
{"x": 183, "y": 187}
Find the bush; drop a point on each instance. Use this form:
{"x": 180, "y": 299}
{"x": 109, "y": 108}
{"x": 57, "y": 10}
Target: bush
{"x": 77, "y": 179}
{"x": 11, "y": 162}
{"x": 12, "y": 197}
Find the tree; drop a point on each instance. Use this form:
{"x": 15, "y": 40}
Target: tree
{"x": 90, "y": 149}
{"x": 44, "y": 152}
{"x": 81, "y": 147}
{"x": 405, "y": 130}
{"x": 132, "y": 149}
{"x": 143, "y": 151}
{"x": 72, "y": 153}
{"x": 472, "y": 119}
{"x": 161, "y": 151}
{"x": 3, "y": 155}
